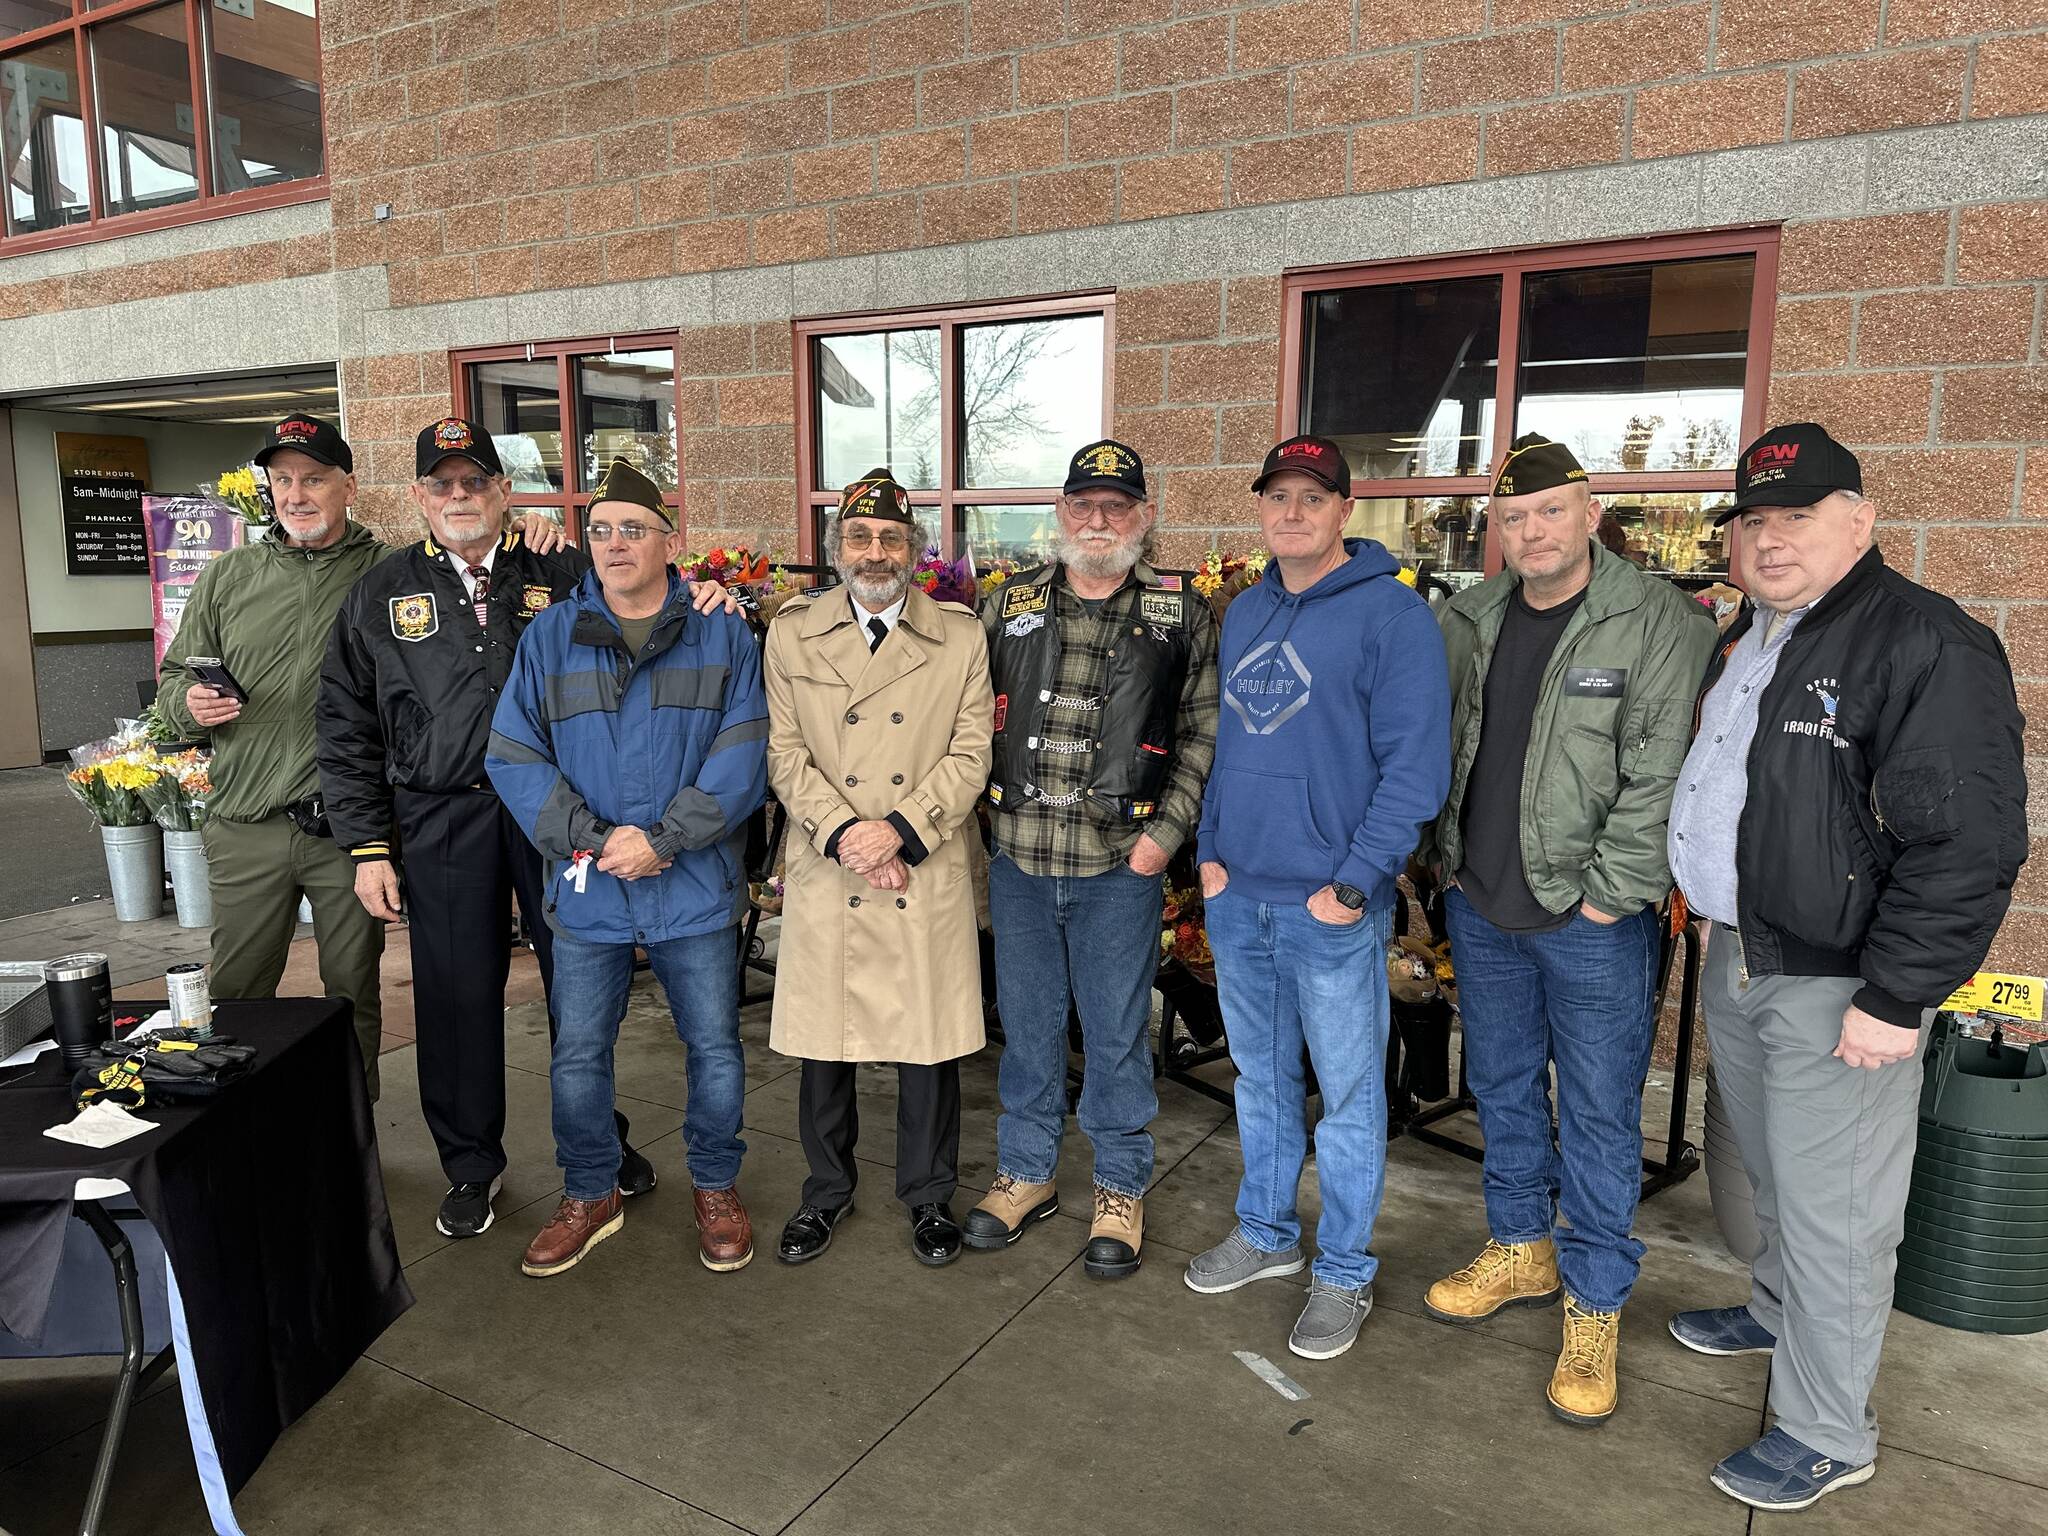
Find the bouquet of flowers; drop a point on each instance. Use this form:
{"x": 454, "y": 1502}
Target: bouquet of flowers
{"x": 946, "y": 581}
{"x": 1183, "y": 937}
{"x": 245, "y": 492}
{"x": 735, "y": 567}
{"x": 110, "y": 777}
{"x": 994, "y": 573}
{"x": 183, "y": 786}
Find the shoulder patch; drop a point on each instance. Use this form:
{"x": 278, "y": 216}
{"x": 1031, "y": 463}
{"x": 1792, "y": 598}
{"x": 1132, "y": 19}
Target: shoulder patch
{"x": 534, "y": 597}
{"x": 1172, "y": 583}
{"x": 815, "y": 591}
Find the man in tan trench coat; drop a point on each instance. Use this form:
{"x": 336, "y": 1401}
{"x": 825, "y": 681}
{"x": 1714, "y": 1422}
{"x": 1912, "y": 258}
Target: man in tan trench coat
{"x": 880, "y": 718}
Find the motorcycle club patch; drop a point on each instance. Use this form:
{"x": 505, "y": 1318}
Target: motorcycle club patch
{"x": 1023, "y": 625}
{"x": 537, "y": 598}
{"x": 1025, "y": 599}
{"x": 1159, "y": 608}
{"x": 413, "y": 617}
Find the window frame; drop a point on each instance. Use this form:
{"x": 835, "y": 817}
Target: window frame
{"x": 949, "y": 320}
{"x": 1512, "y": 266}
{"x": 206, "y": 203}
{"x": 574, "y": 496}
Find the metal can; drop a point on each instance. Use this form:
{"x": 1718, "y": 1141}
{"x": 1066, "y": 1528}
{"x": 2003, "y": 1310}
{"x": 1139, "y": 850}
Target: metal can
{"x": 191, "y": 998}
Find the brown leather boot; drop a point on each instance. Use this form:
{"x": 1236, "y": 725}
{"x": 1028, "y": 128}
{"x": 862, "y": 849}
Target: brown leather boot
{"x": 725, "y": 1237}
{"x": 576, "y": 1227}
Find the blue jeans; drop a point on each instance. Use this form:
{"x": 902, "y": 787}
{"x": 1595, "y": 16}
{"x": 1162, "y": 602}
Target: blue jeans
{"x": 1290, "y": 981}
{"x": 700, "y": 974}
{"x": 1096, "y": 937}
{"x": 1579, "y": 996}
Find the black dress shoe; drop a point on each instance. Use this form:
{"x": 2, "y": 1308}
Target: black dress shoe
{"x": 934, "y": 1235}
{"x": 809, "y": 1232}
{"x": 636, "y": 1174}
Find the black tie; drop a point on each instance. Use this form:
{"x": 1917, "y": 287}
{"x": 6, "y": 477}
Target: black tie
{"x": 877, "y": 632}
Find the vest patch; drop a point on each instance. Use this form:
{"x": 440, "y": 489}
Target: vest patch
{"x": 1025, "y": 599}
{"x": 1023, "y": 625}
{"x": 1160, "y": 608}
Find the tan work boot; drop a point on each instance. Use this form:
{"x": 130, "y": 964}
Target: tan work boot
{"x": 1583, "y": 1389}
{"x": 1504, "y": 1275}
{"x": 1115, "y": 1236}
{"x": 1006, "y": 1210}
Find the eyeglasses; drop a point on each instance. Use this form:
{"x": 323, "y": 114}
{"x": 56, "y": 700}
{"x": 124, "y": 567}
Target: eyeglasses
{"x": 444, "y": 485}
{"x": 1084, "y": 512}
{"x": 891, "y": 539}
{"x": 632, "y": 533}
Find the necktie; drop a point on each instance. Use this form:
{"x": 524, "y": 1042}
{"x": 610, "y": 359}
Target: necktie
{"x": 482, "y": 578}
{"x": 877, "y": 633}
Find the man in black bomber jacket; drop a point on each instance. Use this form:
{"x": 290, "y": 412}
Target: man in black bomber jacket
{"x": 1851, "y": 816}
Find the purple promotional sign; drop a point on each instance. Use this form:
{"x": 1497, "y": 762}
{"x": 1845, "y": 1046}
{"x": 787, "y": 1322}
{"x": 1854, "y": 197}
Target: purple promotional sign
{"x": 185, "y": 534}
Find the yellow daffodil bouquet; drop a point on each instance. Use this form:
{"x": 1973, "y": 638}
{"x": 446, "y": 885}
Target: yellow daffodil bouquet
{"x": 244, "y": 491}
{"x": 113, "y": 779}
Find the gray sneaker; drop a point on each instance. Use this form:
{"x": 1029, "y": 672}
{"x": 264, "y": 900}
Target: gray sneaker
{"x": 1235, "y": 1262}
{"x": 1330, "y": 1322}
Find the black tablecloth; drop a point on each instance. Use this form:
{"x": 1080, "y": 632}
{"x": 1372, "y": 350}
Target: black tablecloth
{"x": 270, "y": 1202}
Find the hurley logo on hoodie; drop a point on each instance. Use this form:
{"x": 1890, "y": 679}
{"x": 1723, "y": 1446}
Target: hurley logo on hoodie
{"x": 1269, "y": 687}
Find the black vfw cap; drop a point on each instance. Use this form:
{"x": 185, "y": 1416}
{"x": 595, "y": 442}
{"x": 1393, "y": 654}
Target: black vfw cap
{"x": 1317, "y": 457}
{"x": 1109, "y": 465}
{"x": 464, "y": 439}
{"x": 1794, "y": 465}
{"x": 309, "y": 435}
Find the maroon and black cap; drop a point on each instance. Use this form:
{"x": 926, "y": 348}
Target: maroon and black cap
{"x": 463, "y": 439}
{"x": 1794, "y": 465}
{"x": 309, "y": 435}
{"x": 1317, "y": 457}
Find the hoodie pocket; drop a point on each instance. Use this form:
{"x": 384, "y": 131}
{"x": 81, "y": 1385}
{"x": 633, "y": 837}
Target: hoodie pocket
{"x": 1263, "y": 823}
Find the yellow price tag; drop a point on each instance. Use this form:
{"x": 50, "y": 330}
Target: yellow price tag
{"x": 2009, "y": 997}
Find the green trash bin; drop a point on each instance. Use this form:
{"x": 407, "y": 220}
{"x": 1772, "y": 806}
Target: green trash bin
{"x": 1975, "y": 1253}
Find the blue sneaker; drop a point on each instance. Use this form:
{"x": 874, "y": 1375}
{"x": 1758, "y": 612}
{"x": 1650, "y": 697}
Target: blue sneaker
{"x": 1779, "y": 1473}
{"x": 1723, "y": 1331}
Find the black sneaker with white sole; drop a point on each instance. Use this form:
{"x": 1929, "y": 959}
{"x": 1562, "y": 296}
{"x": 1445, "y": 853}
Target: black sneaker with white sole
{"x": 636, "y": 1174}
{"x": 466, "y": 1209}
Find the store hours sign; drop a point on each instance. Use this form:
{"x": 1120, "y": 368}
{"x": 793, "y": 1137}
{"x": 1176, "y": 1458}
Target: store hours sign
{"x": 100, "y": 483}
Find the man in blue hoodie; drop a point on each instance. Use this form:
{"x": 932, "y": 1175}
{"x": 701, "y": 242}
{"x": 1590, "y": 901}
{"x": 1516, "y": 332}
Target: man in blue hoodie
{"x": 1332, "y": 751}
{"x": 631, "y": 746}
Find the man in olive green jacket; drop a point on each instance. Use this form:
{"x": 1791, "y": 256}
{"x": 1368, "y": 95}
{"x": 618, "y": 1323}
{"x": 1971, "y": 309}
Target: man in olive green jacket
{"x": 1572, "y": 684}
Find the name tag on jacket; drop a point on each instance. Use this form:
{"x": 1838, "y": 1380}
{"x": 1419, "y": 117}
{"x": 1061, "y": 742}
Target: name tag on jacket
{"x": 1595, "y": 682}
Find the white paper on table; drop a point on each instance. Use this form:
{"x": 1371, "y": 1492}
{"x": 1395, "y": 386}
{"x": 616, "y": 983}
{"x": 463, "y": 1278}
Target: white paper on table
{"x": 100, "y": 1125}
{"x": 29, "y": 1052}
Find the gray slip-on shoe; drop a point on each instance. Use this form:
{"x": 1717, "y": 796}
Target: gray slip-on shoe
{"x": 1235, "y": 1262}
{"x": 1330, "y": 1322}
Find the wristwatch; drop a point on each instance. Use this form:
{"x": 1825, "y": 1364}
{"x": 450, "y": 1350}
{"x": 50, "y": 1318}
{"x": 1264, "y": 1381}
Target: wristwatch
{"x": 1350, "y": 895}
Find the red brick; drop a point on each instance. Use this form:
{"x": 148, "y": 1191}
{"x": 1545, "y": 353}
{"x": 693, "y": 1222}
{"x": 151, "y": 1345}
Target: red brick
{"x": 1908, "y": 21}
{"x": 444, "y": 279}
{"x": 921, "y": 159}
{"x": 748, "y": 76}
{"x": 831, "y": 59}
{"x": 1810, "y": 334}
{"x": 1170, "y": 184}
{"x": 712, "y": 245}
{"x": 1417, "y": 154}
{"x": 304, "y": 254}
{"x": 1900, "y": 90}
{"x": 566, "y": 163}
{"x": 2034, "y": 483}
{"x": 994, "y": 26}
{"x": 968, "y": 92}
{"x": 1065, "y": 200}
{"x": 1522, "y": 13}
{"x": 2002, "y": 240}
{"x": 473, "y": 227}
{"x": 797, "y": 234}
{"x": 600, "y": 210}
{"x": 1002, "y": 146}
{"x": 1893, "y": 250}
{"x": 670, "y": 90}
{"x": 1296, "y": 33}
{"x": 1074, "y": 73}
{"x": 1995, "y": 405}
{"x": 921, "y": 38}
{"x": 1205, "y": 498}
{"x": 643, "y": 253}
{"x": 1354, "y": 91}
{"x": 1226, "y": 372}
{"x": 2026, "y": 640}
{"x": 1858, "y": 408}
{"x": 1770, "y": 32}
{"x": 718, "y": 350}
{"x": 783, "y": 18}
{"x": 954, "y": 215}
{"x": 1518, "y": 66}
{"x": 672, "y": 199}
{"x": 762, "y": 401}
{"x": 722, "y": 453}
{"x": 873, "y": 107}
{"x": 2031, "y": 888}
{"x": 1554, "y": 135}
{"x": 1718, "y": 113}
{"x": 1382, "y": 25}
{"x": 1286, "y": 170}
{"x": 875, "y": 224}
{"x": 2012, "y": 77}
{"x": 628, "y": 154}
{"x": 1231, "y": 111}
{"x": 827, "y": 175}
{"x": 771, "y": 127}
{"x": 751, "y": 186}
{"x": 1971, "y": 325}
{"x": 1175, "y": 55}
{"x": 1248, "y": 431}
{"x": 1941, "y": 484}
{"x": 1123, "y": 129}
{"x": 1140, "y": 375}
{"x": 2008, "y": 562}
{"x": 508, "y": 271}
{"x": 1169, "y": 312}
{"x": 1089, "y": 18}
{"x": 1184, "y": 436}
{"x": 772, "y": 346}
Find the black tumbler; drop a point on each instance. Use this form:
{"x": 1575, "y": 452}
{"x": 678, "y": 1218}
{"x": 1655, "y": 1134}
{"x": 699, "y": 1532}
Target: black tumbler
{"x": 81, "y": 1005}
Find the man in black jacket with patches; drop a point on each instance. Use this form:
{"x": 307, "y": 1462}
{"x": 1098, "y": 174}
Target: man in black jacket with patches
{"x": 1851, "y": 817}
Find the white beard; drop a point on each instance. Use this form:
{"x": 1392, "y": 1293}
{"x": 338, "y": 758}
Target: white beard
{"x": 1106, "y": 560}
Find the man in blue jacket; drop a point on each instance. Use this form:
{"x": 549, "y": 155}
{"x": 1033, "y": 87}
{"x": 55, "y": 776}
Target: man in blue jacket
{"x": 1332, "y": 751}
{"x": 631, "y": 745}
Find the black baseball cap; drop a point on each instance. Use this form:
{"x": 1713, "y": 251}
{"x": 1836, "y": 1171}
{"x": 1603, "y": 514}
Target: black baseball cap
{"x": 463, "y": 439}
{"x": 309, "y": 435}
{"x": 1317, "y": 457}
{"x": 1107, "y": 464}
{"x": 1794, "y": 465}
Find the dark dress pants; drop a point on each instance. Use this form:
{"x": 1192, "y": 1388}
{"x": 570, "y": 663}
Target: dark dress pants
{"x": 927, "y": 1132}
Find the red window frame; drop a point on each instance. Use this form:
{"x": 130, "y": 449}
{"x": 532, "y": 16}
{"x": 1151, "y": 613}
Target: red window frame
{"x": 950, "y": 495}
{"x": 574, "y": 495}
{"x": 207, "y": 204}
{"x": 1511, "y": 267}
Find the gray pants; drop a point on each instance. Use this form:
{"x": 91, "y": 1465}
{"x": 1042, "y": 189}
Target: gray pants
{"x": 1829, "y": 1149}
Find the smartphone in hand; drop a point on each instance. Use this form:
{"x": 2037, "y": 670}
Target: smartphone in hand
{"x": 208, "y": 670}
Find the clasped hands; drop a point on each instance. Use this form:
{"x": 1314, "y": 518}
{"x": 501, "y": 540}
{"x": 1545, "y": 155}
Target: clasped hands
{"x": 873, "y": 850}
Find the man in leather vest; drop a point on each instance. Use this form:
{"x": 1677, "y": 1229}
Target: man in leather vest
{"x": 1105, "y": 723}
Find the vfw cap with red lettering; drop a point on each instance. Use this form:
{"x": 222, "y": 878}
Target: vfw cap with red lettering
{"x": 1316, "y": 457}
{"x": 1794, "y": 465}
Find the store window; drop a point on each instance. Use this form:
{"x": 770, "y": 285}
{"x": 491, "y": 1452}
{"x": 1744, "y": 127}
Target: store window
{"x": 561, "y": 411}
{"x": 129, "y": 115}
{"x": 1649, "y": 358}
{"x": 975, "y": 410}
